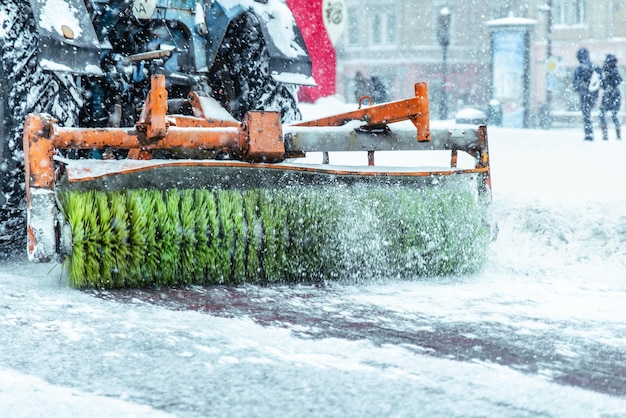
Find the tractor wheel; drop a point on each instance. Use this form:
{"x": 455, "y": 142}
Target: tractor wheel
{"x": 241, "y": 76}
{"x": 24, "y": 88}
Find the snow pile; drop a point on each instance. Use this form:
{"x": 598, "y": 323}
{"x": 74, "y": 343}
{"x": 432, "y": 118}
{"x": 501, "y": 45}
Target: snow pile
{"x": 55, "y": 14}
{"x": 279, "y": 21}
{"x": 27, "y": 396}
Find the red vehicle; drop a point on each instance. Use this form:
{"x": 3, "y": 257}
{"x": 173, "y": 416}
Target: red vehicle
{"x": 313, "y": 17}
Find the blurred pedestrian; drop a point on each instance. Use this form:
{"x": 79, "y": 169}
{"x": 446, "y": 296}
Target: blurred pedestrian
{"x": 586, "y": 82}
{"x": 361, "y": 86}
{"x": 379, "y": 93}
{"x": 611, "y": 97}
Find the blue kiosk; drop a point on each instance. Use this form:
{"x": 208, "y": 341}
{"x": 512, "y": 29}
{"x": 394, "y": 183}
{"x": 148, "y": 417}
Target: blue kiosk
{"x": 510, "y": 68}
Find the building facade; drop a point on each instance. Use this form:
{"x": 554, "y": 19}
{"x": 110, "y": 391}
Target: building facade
{"x": 396, "y": 42}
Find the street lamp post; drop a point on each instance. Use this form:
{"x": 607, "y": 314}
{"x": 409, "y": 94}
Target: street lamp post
{"x": 546, "y": 114}
{"x": 443, "y": 36}
{"x": 549, "y": 54}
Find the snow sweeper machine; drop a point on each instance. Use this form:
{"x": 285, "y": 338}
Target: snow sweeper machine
{"x": 162, "y": 145}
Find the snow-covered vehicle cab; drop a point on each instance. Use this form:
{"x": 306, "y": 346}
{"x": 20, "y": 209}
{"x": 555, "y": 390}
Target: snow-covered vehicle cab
{"x": 247, "y": 53}
{"x": 93, "y": 61}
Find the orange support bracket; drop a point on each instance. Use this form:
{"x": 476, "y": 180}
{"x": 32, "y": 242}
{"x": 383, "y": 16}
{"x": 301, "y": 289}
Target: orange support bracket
{"x": 414, "y": 109}
{"x": 153, "y": 119}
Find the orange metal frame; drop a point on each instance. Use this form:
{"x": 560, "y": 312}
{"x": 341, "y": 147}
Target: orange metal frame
{"x": 415, "y": 110}
{"x": 257, "y": 139}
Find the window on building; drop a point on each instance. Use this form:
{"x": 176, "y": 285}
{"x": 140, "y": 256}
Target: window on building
{"x": 580, "y": 11}
{"x": 558, "y": 12}
{"x": 377, "y": 30}
{"x": 353, "y": 27}
{"x": 569, "y": 12}
{"x": 392, "y": 33}
{"x": 383, "y": 27}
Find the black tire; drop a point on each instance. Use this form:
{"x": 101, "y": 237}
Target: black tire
{"x": 24, "y": 88}
{"x": 240, "y": 76}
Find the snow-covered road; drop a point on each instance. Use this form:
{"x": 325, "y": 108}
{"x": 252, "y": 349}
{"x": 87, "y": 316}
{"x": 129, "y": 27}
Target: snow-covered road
{"x": 540, "y": 332}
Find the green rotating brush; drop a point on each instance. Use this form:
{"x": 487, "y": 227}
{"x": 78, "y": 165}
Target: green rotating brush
{"x": 145, "y": 238}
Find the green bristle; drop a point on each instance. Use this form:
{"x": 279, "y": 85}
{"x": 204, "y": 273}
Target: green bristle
{"x": 141, "y": 238}
{"x": 75, "y": 209}
{"x": 227, "y": 235}
{"x": 241, "y": 240}
{"x": 281, "y": 214}
{"x": 171, "y": 236}
{"x": 214, "y": 274}
{"x": 253, "y": 235}
{"x": 311, "y": 218}
{"x": 294, "y": 241}
{"x": 161, "y": 239}
{"x": 202, "y": 233}
{"x": 137, "y": 238}
{"x": 410, "y": 230}
{"x": 119, "y": 208}
{"x": 103, "y": 245}
{"x": 96, "y": 220}
{"x": 269, "y": 247}
{"x": 188, "y": 241}
{"x": 93, "y": 243}
{"x": 152, "y": 256}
